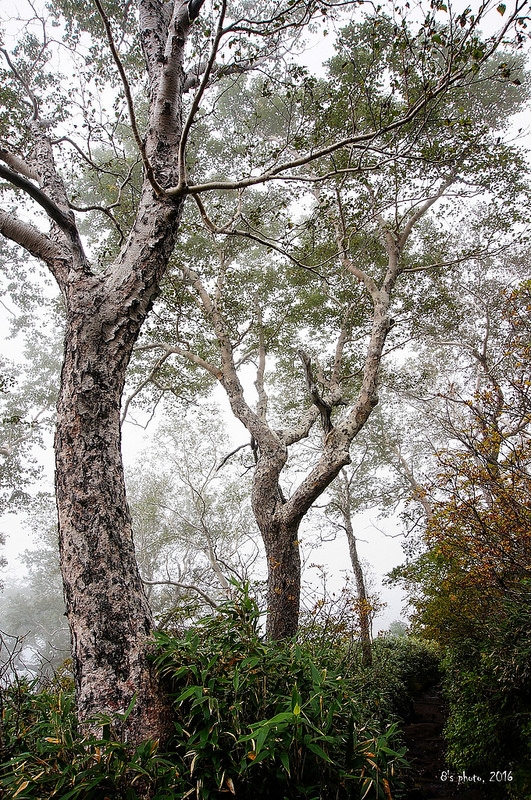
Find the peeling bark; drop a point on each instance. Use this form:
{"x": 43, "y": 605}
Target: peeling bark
{"x": 108, "y": 613}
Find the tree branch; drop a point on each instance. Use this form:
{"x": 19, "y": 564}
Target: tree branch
{"x": 24, "y": 83}
{"x": 186, "y": 586}
{"x": 31, "y": 239}
{"x": 325, "y": 408}
{"x": 200, "y": 92}
{"x": 180, "y": 351}
{"x": 226, "y": 230}
{"x": 355, "y": 142}
{"x": 424, "y": 208}
{"x": 261, "y": 407}
{"x": 143, "y": 384}
{"x": 18, "y": 164}
{"x": 129, "y": 99}
{"x": 232, "y": 453}
{"x": 64, "y": 222}
{"x": 454, "y": 261}
{"x": 217, "y": 71}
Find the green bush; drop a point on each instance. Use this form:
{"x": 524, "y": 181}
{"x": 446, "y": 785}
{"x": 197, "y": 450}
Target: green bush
{"x": 403, "y": 667}
{"x": 43, "y": 756}
{"x": 487, "y": 684}
{"x": 273, "y": 720}
{"x": 264, "y": 718}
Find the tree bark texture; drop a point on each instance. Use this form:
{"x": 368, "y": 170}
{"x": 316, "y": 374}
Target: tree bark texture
{"x": 108, "y": 613}
{"x": 283, "y": 577}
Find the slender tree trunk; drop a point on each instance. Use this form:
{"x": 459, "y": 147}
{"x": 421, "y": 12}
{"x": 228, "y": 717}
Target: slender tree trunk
{"x": 363, "y": 601}
{"x": 344, "y": 506}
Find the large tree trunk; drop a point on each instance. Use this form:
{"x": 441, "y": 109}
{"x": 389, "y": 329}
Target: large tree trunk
{"x": 279, "y": 531}
{"x": 109, "y": 616}
{"x": 108, "y": 613}
{"x": 283, "y": 577}
{"x": 107, "y": 610}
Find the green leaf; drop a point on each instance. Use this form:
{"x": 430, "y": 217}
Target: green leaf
{"x": 284, "y": 758}
{"x": 501, "y": 9}
{"x": 261, "y": 737}
{"x": 186, "y": 694}
{"x": 317, "y": 677}
{"x": 129, "y": 709}
{"x": 318, "y": 751}
{"x": 296, "y": 701}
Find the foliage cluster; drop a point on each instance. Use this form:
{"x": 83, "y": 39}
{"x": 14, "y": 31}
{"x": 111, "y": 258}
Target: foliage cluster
{"x": 43, "y": 755}
{"x": 470, "y": 586}
{"x": 274, "y": 719}
{"x": 487, "y": 683}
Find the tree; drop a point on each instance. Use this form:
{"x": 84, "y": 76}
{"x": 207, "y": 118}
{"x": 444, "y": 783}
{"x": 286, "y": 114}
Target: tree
{"x": 28, "y": 391}
{"x": 47, "y": 132}
{"x": 33, "y": 609}
{"x": 3, "y": 560}
{"x": 478, "y": 532}
{"x": 341, "y": 507}
{"x": 192, "y": 520}
{"x": 324, "y": 319}
{"x": 470, "y": 584}
{"x": 193, "y": 531}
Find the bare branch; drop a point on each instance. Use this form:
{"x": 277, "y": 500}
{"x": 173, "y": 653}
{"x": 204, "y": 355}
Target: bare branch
{"x": 65, "y": 222}
{"x": 129, "y": 99}
{"x": 198, "y": 97}
{"x": 180, "y": 351}
{"x": 7, "y": 449}
{"x": 226, "y": 230}
{"x": 325, "y": 408}
{"x": 24, "y": 83}
{"x": 482, "y": 253}
{"x": 31, "y": 239}
{"x": 18, "y": 164}
{"x": 261, "y": 408}
{"x": 302, "y": 428}
{"x": 232, "y": 453}
{"x": 143, "y": 384}
{"x": 218, "y": 71}
{"x": 186, "y": 586}
{"x": 424, "y": 208}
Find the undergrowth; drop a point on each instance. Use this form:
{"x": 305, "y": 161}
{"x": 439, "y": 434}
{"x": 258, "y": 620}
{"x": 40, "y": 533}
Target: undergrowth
{"x": 252, "y": 719}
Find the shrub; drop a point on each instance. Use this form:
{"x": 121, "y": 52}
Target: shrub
{"x": 403, "y": 667}
{"x": 43, "y": 756}
{"x": 264, "y": 719}
{"x": 487, "y": 683}
{"x": 273, "y": 720}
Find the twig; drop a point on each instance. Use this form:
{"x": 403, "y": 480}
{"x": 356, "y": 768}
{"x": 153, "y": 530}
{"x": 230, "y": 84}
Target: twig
{"x": 187, "y": 586}
{"x": 129, "y": 99}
